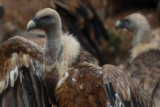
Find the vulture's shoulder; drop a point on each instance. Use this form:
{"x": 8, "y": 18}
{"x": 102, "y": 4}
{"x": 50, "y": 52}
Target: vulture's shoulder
{"x": 144, "y": 68}
{"x": 145, "y": 63}
{"x": 97, "y": 86}
{"x": 83, "y": 82}
{"x": 148, "y": 57}
{"x": 85, "y": 56}
{"x": 121, "y": 90}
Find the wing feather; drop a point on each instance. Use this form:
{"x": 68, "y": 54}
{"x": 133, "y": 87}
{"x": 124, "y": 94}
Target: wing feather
{"x": 15, "y": 53}
{"x": 21, "y": 72}
{"x": 122, "y": 90}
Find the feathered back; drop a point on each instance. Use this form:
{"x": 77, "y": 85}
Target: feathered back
{"x": 145, "y": 70}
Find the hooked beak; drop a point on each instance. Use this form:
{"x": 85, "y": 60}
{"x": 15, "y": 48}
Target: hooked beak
{"x": 123, "y": 23}
{"x": 118, "y": 24}
{"x": 32, "y": 24}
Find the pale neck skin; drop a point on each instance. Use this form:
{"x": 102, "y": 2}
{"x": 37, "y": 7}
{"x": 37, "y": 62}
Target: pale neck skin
{"x": 53, "y": 44}
{"x": 141, "y": 34}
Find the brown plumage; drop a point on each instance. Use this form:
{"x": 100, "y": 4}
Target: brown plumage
{"x": 71, "y": 75}
{"x": 28, "y": 89}
{"x": 80, "y": 83}
{"x": 146, "y": 71}
{"x": 144, "y": 65}
{"x": 21, "y": 83}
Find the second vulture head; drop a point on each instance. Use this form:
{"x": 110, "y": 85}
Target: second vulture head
{"x": 133, "y": 22}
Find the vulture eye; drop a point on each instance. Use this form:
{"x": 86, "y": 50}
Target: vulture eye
{"x": 45, "y": 18}
{"x": 126, "y": 21}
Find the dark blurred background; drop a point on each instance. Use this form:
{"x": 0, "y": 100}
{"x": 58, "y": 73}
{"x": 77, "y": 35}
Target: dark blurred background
{"x": 92, "y": 21}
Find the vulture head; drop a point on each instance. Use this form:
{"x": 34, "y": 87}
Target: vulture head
{"x": 46, "y": 19}
{"x": 49, "y": 20}
{"x": 138, "y": 24}
{"x": 133, "y": 22}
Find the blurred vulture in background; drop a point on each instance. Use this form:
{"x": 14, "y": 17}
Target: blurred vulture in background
{"x": 144, "y": 65}
{"x": 78, "y": 17}
{"x": 71, "y": 75}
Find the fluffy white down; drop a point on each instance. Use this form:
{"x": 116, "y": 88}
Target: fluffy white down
{"x": 71, "y": 50}
{"x": 144, "y": 47}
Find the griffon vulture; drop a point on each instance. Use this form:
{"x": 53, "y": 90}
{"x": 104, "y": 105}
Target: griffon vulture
{"x": 144, "y": 65}
{"x": 71, "y": 75}
{"x": 78, "y": 17}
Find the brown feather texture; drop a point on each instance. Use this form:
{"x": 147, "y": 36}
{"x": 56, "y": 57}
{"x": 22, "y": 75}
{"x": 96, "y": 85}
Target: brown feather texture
{"x": 144, "y": 66}
{"x": 22, "y": 48}
{"x": 115, "y": 78}
{"x": 71, "y": 75}
{"x": 145, "y": 69}
{"x": 21, "y": 83}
